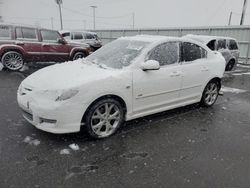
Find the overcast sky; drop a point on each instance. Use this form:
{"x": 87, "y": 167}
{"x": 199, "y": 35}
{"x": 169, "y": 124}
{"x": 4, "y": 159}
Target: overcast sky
{"x": 77, "y": 14}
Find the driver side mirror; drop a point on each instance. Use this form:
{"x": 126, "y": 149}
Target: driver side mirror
{"x": 150, "y": 65}
{"x": 61, "y": 41}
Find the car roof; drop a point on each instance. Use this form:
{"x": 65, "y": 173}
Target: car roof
{"x": 77, "y": 31}
{"x": 149, "y": 38}
{"x": 23, "y": 25}
{"x": 206, "y": 38}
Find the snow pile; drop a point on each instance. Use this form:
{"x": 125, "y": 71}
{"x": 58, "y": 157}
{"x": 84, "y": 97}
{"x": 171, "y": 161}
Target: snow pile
{"x": 1, "y": 66}
{"x": 31, "y": 141}
{"x": 74, "y": 147}
{"x": 232, "y": 90}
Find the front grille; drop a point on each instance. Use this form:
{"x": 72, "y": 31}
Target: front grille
{"x": 28, "y": 115}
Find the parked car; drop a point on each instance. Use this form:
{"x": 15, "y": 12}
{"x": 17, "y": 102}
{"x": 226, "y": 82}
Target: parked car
{"x": 83, "y": 37}
{"x": 227, "y": 46}
{"x": 19, "y": 44}
{"x": 128, "y": 78}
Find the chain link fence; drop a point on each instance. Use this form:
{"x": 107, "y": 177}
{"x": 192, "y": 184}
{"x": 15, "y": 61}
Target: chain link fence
{"x": 241, "y": 33}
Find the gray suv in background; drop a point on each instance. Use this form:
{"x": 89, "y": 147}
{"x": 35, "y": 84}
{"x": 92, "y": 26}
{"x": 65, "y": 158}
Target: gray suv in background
{"x": 227, "y": 46}
{"x": 86, "y": 37}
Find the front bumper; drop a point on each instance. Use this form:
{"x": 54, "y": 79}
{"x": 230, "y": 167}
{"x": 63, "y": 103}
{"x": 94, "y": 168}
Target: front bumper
{"x": 50, "y": 116}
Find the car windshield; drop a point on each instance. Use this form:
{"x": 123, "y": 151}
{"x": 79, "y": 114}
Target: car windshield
{"x": 118, "y": 54}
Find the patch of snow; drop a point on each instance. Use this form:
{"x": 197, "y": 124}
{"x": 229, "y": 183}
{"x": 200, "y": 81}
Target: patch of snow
{"x": 232, "y": 90}
{"x": 224, "y": 108}
{"x": 246, "y": 73}
{"x": 27, "y": 139}
{"x": 1, "y": 66}
{"x": 31, "y": 141}
{"x": 65, "y": 152}
{"x": 74, "y": 147}
{"x": 24, "y": 68}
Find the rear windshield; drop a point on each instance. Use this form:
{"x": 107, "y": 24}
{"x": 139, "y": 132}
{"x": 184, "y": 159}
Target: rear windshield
{"x": 4, "y": 32}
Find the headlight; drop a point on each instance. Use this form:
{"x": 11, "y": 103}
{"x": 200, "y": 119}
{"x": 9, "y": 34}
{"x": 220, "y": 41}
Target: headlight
{"x": 65, "y": 95}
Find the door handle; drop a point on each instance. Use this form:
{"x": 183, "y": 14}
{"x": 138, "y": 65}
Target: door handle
{"x": 175, "y": 74}
{"x": 19, "y": 43}
{"x": 204, "y": 69}
{"x": 45, "y": 44}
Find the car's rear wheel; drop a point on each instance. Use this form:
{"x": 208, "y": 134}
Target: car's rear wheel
{"x": 230, "y": 65}
{"x": 104, "y": 118}
{"x": 78, "y": 55}
{"x": 12, "y": 60}
{"x": 210, "y": 94}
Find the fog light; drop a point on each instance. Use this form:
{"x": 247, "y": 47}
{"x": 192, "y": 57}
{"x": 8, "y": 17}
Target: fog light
{"x": 51, "y": 121}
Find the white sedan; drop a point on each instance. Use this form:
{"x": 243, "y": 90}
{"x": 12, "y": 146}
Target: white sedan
{"x": 128, "y": 78}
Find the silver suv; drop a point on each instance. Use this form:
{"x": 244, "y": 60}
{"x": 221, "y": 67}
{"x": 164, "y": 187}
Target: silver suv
{"x": 86, "y": 37}
{"x": 227, "y": 46}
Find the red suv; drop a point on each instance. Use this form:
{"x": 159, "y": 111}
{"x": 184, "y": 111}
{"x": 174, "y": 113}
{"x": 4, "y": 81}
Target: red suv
{"x": 19, "y": 44}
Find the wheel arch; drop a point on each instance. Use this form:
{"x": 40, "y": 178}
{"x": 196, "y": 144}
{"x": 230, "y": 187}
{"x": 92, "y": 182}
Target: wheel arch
{"x": 216, "y": 79}
{"x": 5, "y": 49}
{"x": 75, "y": 50}
{"x": 108, "y": 96}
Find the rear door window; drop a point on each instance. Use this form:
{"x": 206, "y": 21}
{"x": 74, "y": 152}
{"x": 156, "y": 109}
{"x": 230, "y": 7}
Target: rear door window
{"x": 29, "y": 33}
{"x": 78, "y": 36}
{"x": 232, "y": 45}
{"x": 165, "y": 54}
{"x": 191, "y": 52}
{"x": 5, "y": 32}
{"x": 221, "y": 44}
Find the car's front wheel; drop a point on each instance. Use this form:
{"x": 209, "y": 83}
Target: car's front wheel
{"x": 104, "y": 118}
{"x": 12, "y": 60}
{"x": 210, "y": 94}
{"x": 78, "y": 55}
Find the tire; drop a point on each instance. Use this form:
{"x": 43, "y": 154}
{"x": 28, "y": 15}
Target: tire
{"x": 210, "y": 94}
{"x": 12, "y": 60}
{"x": 104, "y": 118}
{"x": 79, "y": 55}
{"x": 230, "y": 65}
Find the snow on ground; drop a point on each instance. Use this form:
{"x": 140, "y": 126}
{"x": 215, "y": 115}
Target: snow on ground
{"x": 1, "y": 66}
{"x": 74, "y": 147}
{"x": 232, "y": 90}
{"x": 24, "y": 68}
{"x": 31, "y": 141}
{"x": 65, "y": 152}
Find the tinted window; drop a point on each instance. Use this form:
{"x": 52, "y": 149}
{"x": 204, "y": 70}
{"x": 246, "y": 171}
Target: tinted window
{"x": 4, "y": 32}
{"x": 89, "y": 36}
{"x": 233, "y": 45}
{"x": 78, "y": 36}
{"x": 191, "y": 52}
{"x": 50, "y": 35}
{"x": 211, "y": 45}
{"x": 29, "y": 33}
{"x": 165, "y": 54}
{"x": 221, "y": 44}
{"x": 19, "y": 33}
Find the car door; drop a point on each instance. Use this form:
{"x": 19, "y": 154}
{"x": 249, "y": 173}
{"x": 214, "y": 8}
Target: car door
{"x": 154, "y": 90}
{"x": 233, "y": 47}
{"x": 52, "y": 50}
{"x": 195, "y": 71}
{"x": 27, "y": 38}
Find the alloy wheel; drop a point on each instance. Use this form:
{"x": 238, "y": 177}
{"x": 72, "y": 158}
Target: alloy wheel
{"x": 12, "y": 60}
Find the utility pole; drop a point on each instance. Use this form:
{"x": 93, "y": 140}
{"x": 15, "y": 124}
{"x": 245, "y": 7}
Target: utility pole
{"x": 59, "y": 2}
{"x": 230, "y": 18}
{"x": 94, "y": 7}
{"x": 243, "y": 12}
{"x": 133, "y": 17}
{"x": 52, "y": 22}
{"x": 84, "y": 24}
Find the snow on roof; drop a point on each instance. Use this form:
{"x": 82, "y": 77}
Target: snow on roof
{"x": 149, "y": 38}
{"x": 205, "y": 38}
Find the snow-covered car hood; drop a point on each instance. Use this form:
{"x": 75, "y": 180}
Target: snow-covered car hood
{"x": 66, "y": 76}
